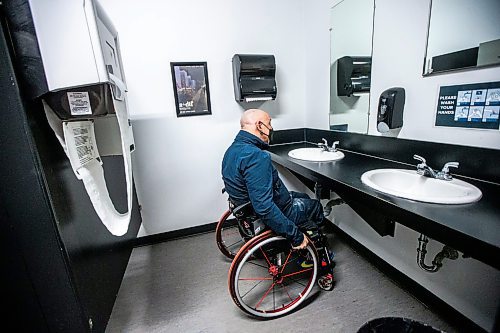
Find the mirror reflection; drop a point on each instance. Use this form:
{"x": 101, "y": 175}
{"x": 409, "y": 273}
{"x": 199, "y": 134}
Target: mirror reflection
{"x": 462, "y": 34}
{"x": 351, "y": 31}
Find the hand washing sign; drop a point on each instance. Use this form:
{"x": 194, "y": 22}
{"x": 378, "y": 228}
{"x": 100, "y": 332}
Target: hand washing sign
{"x": 469, "y": 105}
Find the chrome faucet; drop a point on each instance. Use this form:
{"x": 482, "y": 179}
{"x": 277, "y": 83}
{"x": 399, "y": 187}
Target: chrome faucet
{"x": 325, "y": 147}
{"x": 323, "y": 144}
{"x": 424, "y": 170}
{"x": 444, "y": 173}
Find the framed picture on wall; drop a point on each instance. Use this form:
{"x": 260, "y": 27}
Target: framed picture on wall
{"x": 192, "y": 96}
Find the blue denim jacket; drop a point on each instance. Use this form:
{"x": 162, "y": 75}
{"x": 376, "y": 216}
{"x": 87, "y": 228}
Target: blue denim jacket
{"x": 249, "y": 175}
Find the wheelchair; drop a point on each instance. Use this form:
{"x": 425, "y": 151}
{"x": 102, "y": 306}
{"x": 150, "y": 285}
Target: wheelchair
{"x": 235, "y": 227}
{"x": 268, "y": 278}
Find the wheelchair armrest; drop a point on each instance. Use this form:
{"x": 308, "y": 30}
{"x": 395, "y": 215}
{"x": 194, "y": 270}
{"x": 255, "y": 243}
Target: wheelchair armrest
{"x": 244, "y": 211}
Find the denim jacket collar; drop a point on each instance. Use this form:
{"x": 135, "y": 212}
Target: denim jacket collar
{"x": 244, "y": 136}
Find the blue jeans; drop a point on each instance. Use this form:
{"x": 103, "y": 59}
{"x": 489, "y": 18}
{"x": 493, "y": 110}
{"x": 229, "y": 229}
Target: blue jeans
{"x": 306, "y": 213}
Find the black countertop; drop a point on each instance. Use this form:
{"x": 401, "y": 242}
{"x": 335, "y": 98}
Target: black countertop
{"x": 473, "y": 229}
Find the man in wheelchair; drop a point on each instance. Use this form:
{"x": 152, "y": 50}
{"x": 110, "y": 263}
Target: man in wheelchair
{"x": 249, "y": 176}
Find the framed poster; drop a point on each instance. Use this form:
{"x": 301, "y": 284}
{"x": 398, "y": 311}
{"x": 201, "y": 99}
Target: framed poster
{"x": 192, "y": 96}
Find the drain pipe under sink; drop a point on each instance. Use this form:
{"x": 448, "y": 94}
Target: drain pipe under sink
{"x": 446, "y": 252}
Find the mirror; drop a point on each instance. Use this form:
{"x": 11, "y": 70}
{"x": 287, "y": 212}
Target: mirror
{"x": 462, "y": 34}
{"x": 350, "y": 64}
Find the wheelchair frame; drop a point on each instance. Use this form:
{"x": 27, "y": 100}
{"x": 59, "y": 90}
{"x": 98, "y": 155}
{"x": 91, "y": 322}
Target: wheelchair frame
{"x": 248, "y": 227}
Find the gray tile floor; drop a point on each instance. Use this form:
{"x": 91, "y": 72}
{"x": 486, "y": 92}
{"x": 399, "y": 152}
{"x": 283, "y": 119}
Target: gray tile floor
{"x": 181, "y": 286}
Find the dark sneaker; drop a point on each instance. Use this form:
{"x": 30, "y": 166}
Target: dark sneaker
{"x": 326, "y": 282}
{"x": 305, "y": 262}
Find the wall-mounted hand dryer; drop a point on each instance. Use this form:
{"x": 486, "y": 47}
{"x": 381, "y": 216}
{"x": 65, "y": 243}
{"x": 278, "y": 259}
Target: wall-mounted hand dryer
{"x": 254, "y": 77}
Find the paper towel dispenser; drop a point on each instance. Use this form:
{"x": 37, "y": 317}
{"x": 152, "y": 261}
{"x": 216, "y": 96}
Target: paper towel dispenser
{"x": 353, "y": 75}
{"x": 254, "y": 77}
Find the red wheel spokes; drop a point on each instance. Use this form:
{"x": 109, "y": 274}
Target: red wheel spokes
{"x": 299, "y": 272}
{"x": 263, "y": 297}
{"x": 265, "y": 256}
{"x": 286, "y": 261}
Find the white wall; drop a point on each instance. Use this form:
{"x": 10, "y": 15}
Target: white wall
{"x": 398, "y": 56}
{"x": 172, "y": 180}
{"x": 177, "y": 160}
{"x": 400, "y": 31}
{"x": 399, "y": 42}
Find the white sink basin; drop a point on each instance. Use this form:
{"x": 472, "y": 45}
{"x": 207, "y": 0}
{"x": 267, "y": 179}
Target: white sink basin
{"x": 410, "y": 185}
{"x": 315, "y": 154}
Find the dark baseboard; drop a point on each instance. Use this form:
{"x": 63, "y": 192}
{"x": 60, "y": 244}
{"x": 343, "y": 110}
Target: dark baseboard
{"x": 416, "y": 290}
{"x": 176, "y": 234}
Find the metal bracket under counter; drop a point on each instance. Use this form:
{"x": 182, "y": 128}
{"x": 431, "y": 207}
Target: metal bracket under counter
{"x": 383, "y": 225}
{"x": 472, "y": 228}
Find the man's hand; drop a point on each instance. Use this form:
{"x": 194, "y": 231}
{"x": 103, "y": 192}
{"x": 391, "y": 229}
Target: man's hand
{"x": 302, "y": 245}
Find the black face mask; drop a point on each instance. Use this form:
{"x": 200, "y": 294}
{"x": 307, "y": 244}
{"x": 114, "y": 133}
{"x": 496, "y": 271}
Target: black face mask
{"x": 271, "y": 132}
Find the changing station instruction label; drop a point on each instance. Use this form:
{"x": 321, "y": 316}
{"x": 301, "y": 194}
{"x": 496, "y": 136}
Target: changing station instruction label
{"x": 80, "y": 142}
{"x": 469, "y": 105}
{"x": 79, "y": 103}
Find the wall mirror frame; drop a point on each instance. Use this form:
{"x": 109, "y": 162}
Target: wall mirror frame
{"x": 350, "y": 65}
{"x": 462, "y": 34}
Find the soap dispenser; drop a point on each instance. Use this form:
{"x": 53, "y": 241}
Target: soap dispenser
{"x": 390, "y": 109}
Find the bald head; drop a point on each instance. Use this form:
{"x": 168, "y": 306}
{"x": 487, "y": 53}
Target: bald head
{"x": 256, "y": 122}
{"x": 251, "y": 117}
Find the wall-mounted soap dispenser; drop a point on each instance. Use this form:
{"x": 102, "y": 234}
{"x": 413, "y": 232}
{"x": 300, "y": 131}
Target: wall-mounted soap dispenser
{"x": 390, "y": 109}
{"x": 353, "y": 75}
{"x": 254, "y": 77}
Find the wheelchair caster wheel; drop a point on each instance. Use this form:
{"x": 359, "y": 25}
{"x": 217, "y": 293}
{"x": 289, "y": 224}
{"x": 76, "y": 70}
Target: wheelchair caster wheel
{"x": 326, "y": 282}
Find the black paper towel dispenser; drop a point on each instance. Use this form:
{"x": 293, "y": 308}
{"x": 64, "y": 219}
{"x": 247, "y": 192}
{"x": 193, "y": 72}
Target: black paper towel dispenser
{"x": 254, "y": 77}
{"x": 390, "y": 109}
{"x": 353, "y": 75}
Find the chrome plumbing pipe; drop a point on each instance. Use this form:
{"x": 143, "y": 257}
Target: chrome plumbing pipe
{"x": 328, "y": 207}
{"x": 437, "y": 263}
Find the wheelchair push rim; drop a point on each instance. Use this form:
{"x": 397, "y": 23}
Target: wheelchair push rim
{"x": 228, "y": 236}
{"x": 267, "y": 278}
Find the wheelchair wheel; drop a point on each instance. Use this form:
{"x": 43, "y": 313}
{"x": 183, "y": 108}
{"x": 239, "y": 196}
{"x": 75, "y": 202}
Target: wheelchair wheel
{"x": 228, "y": 236}
{"x": 268, "y": 278}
